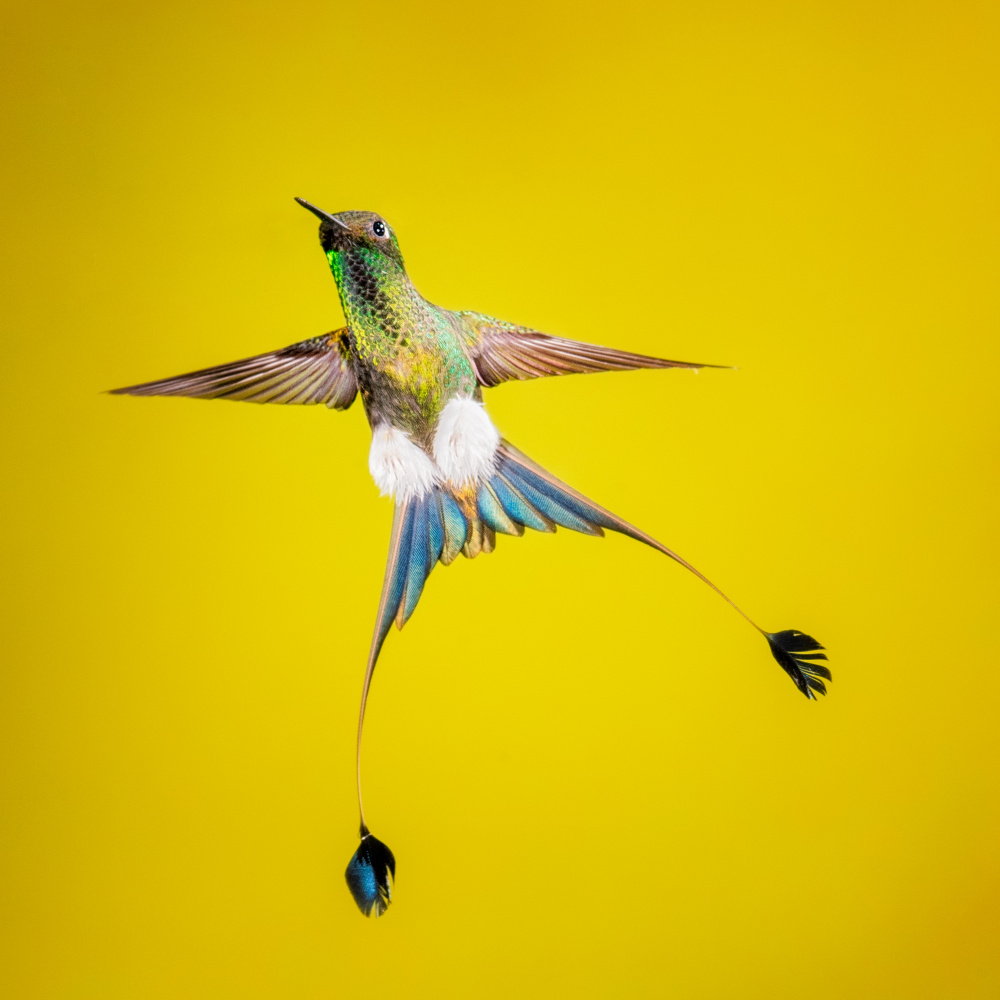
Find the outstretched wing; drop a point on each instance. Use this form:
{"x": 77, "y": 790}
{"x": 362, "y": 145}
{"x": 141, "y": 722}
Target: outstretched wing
{"x": 312, "y": 371}
{"x": 502, "y": 351}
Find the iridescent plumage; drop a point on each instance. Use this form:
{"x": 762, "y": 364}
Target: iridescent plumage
{"x": 420, "y": 370}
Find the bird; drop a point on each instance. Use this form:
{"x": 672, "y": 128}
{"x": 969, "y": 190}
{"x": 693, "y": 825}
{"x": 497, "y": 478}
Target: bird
{"x": 455, "y": 482}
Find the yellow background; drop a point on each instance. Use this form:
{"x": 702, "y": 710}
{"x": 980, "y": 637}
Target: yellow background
{"x": 595, "y": 779}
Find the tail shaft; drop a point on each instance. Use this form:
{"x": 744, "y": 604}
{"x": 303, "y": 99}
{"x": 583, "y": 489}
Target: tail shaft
{"x": 519, "y": 494}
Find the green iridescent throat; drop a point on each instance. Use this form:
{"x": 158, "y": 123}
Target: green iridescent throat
{"x": 377, "y": 308}
{"x": 399, "y": 332}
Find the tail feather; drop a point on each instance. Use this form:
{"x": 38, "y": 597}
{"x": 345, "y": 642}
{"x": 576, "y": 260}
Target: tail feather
{"x": 438, "y": 525}
{"x": 517, "y": 508}
{"x": 568, "y": 506}
{"x": 492, "y": 511}
{"x": 550, "y": 502}
{"x": 518, "y": 495}
{"x": 435, "y": 528}
{"x": 396, "y": 572}
{"x": 418, "y": 563}
{"x": 456, "y": 528}
{"x": 482, "y": 538}
{"x": 797, "y": 653}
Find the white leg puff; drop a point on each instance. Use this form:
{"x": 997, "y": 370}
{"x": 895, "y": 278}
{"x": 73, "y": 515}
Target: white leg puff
{"x": 466, "y": 442}
{"x": 400, "y": 468}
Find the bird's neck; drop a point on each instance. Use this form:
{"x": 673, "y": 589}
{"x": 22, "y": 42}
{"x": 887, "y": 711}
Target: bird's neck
{"x": 379, "y": 301}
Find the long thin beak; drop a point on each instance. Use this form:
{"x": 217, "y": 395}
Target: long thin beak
{"x": 319, "y": 213}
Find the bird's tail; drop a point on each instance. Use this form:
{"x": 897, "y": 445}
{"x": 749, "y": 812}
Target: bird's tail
{"x": 439, "y": 525}
{"x": 519, "y": 495}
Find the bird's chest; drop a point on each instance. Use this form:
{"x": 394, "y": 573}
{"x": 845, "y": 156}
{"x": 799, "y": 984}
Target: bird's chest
{"x": 405, "y": 387}
{"x": 416, "y": 370}
{"x": 409, "y": 381}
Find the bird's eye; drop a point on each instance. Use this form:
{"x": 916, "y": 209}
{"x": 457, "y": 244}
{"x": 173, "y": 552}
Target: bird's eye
{"x": 378, "y": 227}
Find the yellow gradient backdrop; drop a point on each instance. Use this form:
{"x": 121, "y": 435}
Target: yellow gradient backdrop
{"x": 595, "y": 779}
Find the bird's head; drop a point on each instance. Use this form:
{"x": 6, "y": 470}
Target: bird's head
{"x": 362, "y": 235}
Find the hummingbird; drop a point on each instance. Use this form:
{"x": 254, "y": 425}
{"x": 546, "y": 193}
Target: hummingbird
{"x": 455, "y": 482}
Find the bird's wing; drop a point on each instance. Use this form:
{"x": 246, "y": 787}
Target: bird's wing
{"x": 312, "y": 371}
{"x": 502, "y": 351}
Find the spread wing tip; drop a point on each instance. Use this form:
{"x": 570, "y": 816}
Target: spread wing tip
{"x": 312, "y": 371}
{"x": 502, "y": 352}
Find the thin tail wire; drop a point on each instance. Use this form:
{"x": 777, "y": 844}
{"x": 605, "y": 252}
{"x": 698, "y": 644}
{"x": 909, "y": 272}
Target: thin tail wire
{"x": 550, "y": 502}
{"x": 399, "y": 521}
{"x": 649, "y": 540}
{"x": 798, "y": 654}
{"x": 616, "y": 523}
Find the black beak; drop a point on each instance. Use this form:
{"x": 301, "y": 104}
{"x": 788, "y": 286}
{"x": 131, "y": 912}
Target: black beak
{"x": 320, "y": 214}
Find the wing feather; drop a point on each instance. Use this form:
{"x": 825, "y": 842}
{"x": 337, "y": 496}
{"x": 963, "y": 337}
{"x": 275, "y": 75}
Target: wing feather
{"x": 312, "y": 371}
{"x": 502, "y": 351}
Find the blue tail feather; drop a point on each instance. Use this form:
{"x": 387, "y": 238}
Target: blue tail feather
{"x": 517, "y": 508}
{"x": 395, "y": 574}
{"x": 419, "y": 567}
{"x": 551, "y": 502}
{"x": 493, "y": 513}
{"x": 435, "y": 530}
{"x": 456, "y": 528}
{"x": 566, "y": 499}
{"x": 397, "y": 582}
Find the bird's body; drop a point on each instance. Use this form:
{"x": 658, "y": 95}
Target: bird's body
{"x": 413, "y": 362}
{"x": 420, "y": 370}
{"x": 409, "y": 354}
